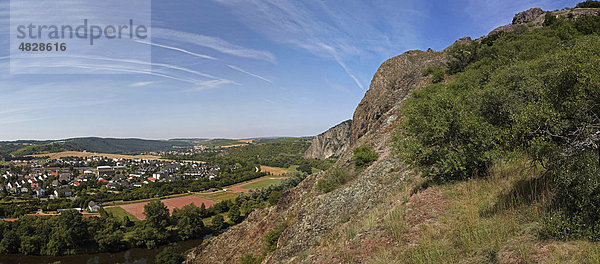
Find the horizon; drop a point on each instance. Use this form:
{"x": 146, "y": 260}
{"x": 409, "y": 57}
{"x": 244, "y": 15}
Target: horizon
{"x": 157, "y": 139}
{"x": 240, "y": 69}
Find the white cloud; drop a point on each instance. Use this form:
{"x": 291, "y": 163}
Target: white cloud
{"x": 249, "y": 73}
{"x": 341, "y": 31}
{"x": 178, "y": 49}
{"x": 140, "y": 84}
{"x": 214, "y": 43}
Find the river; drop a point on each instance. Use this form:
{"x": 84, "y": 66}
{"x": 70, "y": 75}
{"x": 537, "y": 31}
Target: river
{"x": 130, "y": 256}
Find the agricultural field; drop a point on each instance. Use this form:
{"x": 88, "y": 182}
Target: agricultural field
{"x": 256, "y": 184}
{"x": 261, "y": 184}
{"x": 119, "y": 212}
{"x": 218, "y": 196}
{"x": 277, "y": 171}
{"x": 137, "y": 209}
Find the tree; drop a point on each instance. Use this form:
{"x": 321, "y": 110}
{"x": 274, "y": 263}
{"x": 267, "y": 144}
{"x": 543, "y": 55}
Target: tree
{"x": 73, "y": 231}
{"x": 157, "y": 215}
{"x": 274, "y": 197}
{"x": 189, "y": 222}
{"x": 588, "y": 4}
{"x": 218, "y": 222}
{"x": 306, "y": 168}
{"x": 169, "y": 256}
{"x": 234, "y": 214}
{"x": 10, "y": 242}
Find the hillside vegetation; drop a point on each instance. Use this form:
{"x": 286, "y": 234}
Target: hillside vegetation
{"x": 536, "y": 93}
{"x": 485, "y": 152}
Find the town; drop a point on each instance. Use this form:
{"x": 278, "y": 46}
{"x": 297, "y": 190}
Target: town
{"x": 56, "y": 178}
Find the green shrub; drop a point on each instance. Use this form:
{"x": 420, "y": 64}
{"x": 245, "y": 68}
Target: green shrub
{"x": 249, "y": 259}
{"x": 169, "y": 256}
{"x": 589, "y": 4}
{"x": 437, "y": 73}
{"x": 364, "y": 156}
{"x": 271, "y": 239}
{"x": 534, "y": 92}
{"x": 332, "y": 180}
{"x": 575, "y": 209}
{"x": 549, "y": 20}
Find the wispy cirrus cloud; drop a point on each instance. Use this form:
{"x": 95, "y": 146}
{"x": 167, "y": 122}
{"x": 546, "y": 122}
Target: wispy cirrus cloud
{"x": 178, "y": 49}
{"x": 214, "y": 43}
{"x": 340, "y": 31}
{"x": 249, "y": 73}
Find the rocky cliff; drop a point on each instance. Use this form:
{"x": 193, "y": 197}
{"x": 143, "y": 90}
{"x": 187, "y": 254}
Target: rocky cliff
{"x": 350, "y": 223}
{"x": 310, "y": 215}
{"x": 331, "y": 143}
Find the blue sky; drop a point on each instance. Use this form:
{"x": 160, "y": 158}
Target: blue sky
{"x": 242, "y": 68}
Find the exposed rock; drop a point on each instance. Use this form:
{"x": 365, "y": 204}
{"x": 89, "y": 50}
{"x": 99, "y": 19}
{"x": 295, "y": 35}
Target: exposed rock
{"x": 532, "y": 15}
{"x": 331, "y": 143}
{"x": 309, "y": 214}
{"x": 392, "y": 83}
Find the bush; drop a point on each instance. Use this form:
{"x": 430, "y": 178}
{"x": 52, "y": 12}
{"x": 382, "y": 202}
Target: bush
{"x": 332, "y": 180}
{"x": 271, "y": 239}
{"x": 249, "y": 259}
{"x": 437, "y": 73}
{"x": 588, "y": 4}
{"x": 169, "y": 256}
{"x": 364, "y": 156}
{"x": 575, "y": 209}
{"x": 534, "y": 92}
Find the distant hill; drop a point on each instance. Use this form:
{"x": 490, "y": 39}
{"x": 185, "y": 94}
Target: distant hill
{"x": 94, "y": 144}
{"x": 23, "y": 148}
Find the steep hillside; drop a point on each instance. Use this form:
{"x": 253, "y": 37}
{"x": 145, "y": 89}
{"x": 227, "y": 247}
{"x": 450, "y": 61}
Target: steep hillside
{"x": 331, "y": 143}
{"x": 387, "y": 212}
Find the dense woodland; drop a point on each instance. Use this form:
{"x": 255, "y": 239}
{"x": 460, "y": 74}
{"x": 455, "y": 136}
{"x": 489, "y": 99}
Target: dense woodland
{"x": 527, "y": 93}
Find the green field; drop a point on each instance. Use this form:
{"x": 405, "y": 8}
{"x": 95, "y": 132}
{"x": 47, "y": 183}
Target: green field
{"x": 261, "y": 184}
{"x": 218, "y": 196}
{"x": 119, "y": 213}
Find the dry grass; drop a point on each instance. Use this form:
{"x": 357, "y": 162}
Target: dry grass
{"x": 275, "y": 170}
{"x": 493, "y": 220}
{"x": 219, "y": 196}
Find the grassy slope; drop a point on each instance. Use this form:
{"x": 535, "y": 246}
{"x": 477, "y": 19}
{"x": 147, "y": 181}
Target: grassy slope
{"x": 219, "y": 196}
{"x": 490, "y": 220}
{"x": 119, "y": 213}
{"x": 261, "y": 184}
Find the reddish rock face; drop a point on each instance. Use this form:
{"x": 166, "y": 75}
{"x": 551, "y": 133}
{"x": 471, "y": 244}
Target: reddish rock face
{"x": 390, "y": 86}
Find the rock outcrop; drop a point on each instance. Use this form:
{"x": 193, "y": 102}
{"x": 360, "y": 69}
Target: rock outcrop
{"x": 392, "y": 83}
{"x": 535, "y": 15}
{"x": 331, "y": 143}
{"x": 307, "y": 213}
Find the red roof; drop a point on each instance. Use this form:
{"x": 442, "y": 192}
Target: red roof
{"x": 103, "y": 180}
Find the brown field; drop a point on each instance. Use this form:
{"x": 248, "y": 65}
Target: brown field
{"x": 274, "y": 170}
{"x": 79, "y": 154}
{"x": 137, "y": 209}
{"x": 239, "y": 187}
